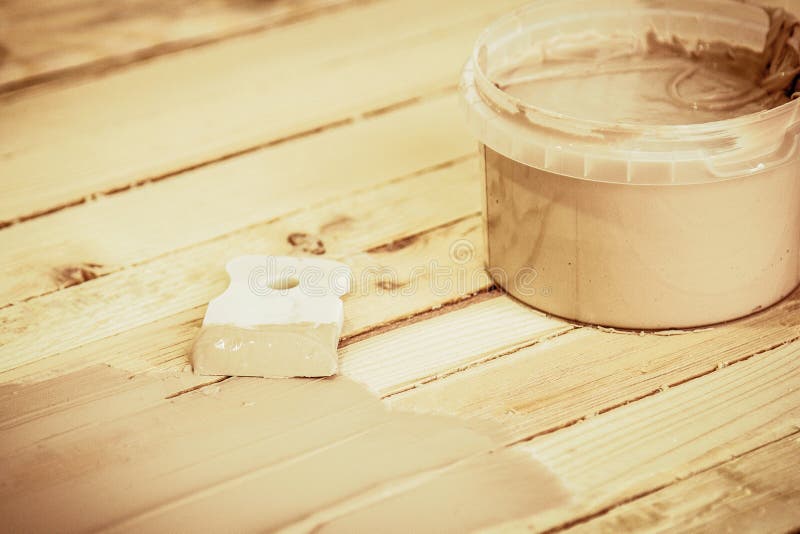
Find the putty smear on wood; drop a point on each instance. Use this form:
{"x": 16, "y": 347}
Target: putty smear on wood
{"x": 100, "y": 450}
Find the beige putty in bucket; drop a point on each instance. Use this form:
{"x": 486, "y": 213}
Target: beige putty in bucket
{"x": 640, "y": 158}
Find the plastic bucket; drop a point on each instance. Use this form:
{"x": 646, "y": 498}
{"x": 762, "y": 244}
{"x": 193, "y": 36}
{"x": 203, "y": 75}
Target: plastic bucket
{"x": 634, "y": 225}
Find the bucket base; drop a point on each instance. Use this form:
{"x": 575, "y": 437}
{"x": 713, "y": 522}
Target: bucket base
{"x": 642, "y": 257}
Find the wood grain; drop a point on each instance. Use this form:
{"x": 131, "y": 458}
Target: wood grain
{"x": 407, "y": 357}
{"x": 657, "y": 441}
{"x": 758, "y": 491}
{"x": 588, "y": 371}
{"x": 47, "y": 40}
{"x": 180, "y": 111}
{"x": 110, "y": 233}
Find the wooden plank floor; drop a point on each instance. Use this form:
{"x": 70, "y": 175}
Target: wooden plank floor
{"x": 143, "y": 145}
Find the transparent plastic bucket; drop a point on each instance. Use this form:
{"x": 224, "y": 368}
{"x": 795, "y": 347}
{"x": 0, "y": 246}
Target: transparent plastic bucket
{"x": 635, "y": 225}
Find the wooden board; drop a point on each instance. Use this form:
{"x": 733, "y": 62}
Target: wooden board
{"x": 156, "y": 172}
{"x": 750, "y": 492}
{"x": 81, "y": 243}
{"x": 588, "y": 371}
{"x": 49, "y": 40}
{"x": 652, "y": 443}
{"x": 148, "y": 125}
